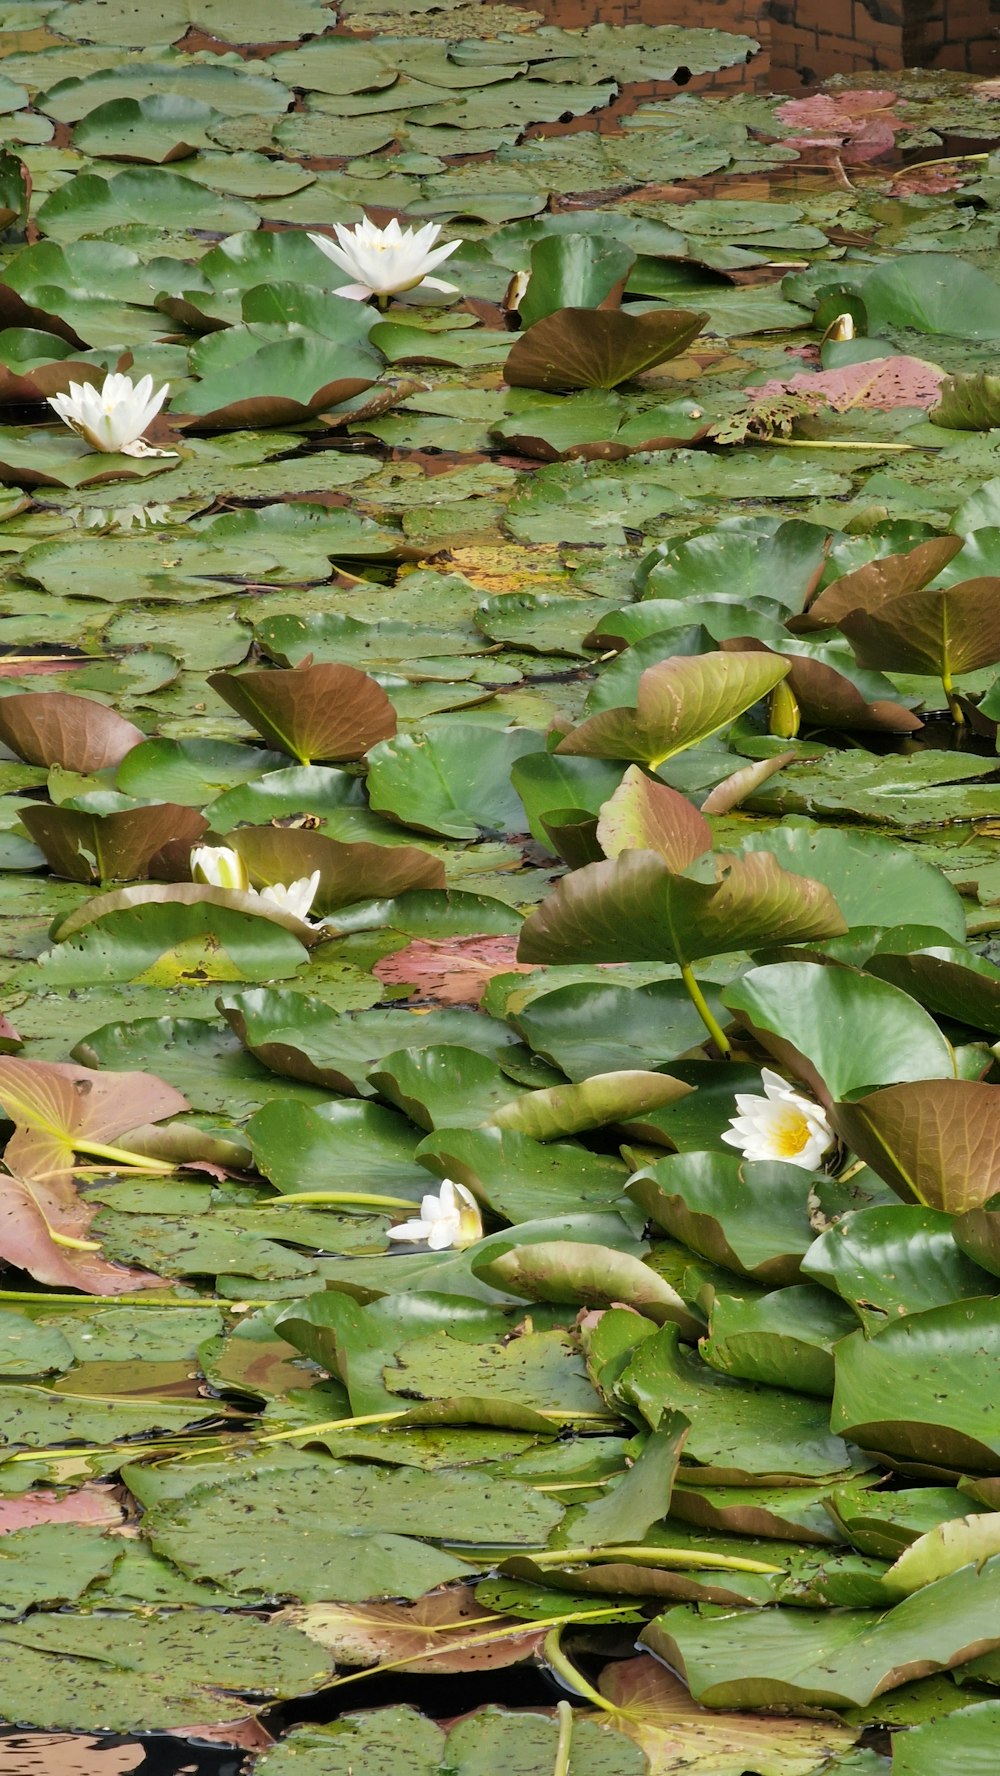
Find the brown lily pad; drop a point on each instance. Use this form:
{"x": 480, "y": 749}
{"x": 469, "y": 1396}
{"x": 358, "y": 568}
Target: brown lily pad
{"x": 314, "y": 713}
{"x": 598, "y": 348}
{"x": 57, "y": 728}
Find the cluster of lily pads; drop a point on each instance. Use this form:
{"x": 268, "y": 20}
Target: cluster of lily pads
{"x": 498, "y": 871}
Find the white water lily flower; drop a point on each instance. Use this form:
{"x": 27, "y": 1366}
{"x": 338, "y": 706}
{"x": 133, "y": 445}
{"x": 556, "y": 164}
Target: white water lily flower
{"x": 219, "y": 866}
{"x": 293, "y": 897}
{"x": 113, "y": 417}
{"x": 782, "y": 1125}
{"x": 450, "y": 1219}
{"x": 386, "y": 261}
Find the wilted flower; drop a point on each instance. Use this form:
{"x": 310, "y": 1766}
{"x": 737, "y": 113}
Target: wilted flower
{"x": 113, "y": 417}
{"x": 222, "y": 867}
{"x": 385, "y": 261}
{"x": 450, "y": 1219}
{"x": 782, "y": 1125}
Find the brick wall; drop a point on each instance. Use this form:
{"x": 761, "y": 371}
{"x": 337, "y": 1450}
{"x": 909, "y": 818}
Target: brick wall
{"x": 804, "y": 42}
{"x": 811, "y": 39}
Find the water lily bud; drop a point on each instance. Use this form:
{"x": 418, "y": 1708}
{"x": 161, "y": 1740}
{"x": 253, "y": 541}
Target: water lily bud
{"x": 784, "y": 715}
{"x": 219, "y": 867}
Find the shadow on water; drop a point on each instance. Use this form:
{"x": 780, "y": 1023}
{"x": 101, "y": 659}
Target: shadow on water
{"x": 160, "y": 1754}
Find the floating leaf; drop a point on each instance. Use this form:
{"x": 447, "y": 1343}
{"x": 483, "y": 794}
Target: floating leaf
{"x": 889, "y": 1261}
{"x": 713, "y": 1203}
{"x": 453, "y": 778}
{"x": 922, "y": 1390}
{"x": 808, "y": 1015}
{"x": 795, "y": 1658}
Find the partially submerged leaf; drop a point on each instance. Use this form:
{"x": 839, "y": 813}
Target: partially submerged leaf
{"x": 598, "y": 348}
{"x": 655, "y": 1709}
{"x": 56, "y": 728}
{"x": 311, "y": 712}
{"x": 443, "y": 1632}
{"x": 117, "y": 846}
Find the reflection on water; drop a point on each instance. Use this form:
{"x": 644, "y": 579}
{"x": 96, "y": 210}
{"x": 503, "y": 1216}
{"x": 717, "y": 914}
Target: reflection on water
{"x": 75, "y": 1754}
{"x": 804, "y": 42}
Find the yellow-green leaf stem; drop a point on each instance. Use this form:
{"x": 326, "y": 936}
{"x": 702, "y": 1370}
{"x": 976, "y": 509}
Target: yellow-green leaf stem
{"x": 553, "y": 1653}
{"x": 564, "y": 1715}
{"x": 700, "y": 1004}
{"x": 355, "y": 1198}
{"x": 639, "y": 1555}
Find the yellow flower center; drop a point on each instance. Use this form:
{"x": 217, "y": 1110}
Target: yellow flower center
{"x": 790, "y": 1133}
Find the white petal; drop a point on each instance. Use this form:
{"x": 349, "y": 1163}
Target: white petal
{"x": 343, "y": 260}
{"x": 355, "y": 292}
{"x": 443, "y": 1234}
{"x": 409, "y": 1230}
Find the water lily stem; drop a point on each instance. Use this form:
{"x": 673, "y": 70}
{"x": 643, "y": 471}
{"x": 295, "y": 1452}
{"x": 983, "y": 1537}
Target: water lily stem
{"x": 151, "y": 1298}
{"x": 356, "y": 1197}
{"x": 844, "y": 444}
{"x": 640, "y": 1555}
{"x": 700, "y": 1004}
{"x": 917, "y": 166}
{"x": 378, "y": 1418}
{"x": 510, "y": 1632}
{"x": 954, "y": 706}
{"x": 563, "y": 1667}
{"x": 564, "y": 1715}
{"x": 122, "y": 1156}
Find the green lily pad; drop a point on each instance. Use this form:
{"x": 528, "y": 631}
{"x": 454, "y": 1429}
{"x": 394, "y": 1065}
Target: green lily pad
{"x": 892, "y": 1261}
{"x": 714, "y": 1203}
{"x": 451, "y": 778}
{"x": 920, "y": 1390}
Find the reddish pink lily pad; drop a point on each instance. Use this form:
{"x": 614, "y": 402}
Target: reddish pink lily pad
{"x": 88, "y": 1504}
{"x": 453, "y": 971}
{"x": 881, "y": 383}
{"x": 856, "y": 126}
